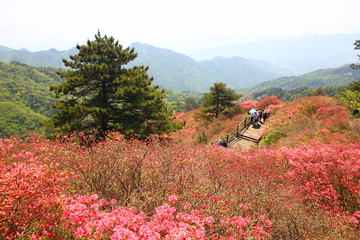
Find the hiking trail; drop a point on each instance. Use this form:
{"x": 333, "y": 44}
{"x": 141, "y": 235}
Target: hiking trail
{"x": 245, "y": 136}
{"x": 250, "y": 132}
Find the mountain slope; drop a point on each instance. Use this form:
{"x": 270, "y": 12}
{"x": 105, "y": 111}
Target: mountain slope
{"x": 320, "y": 78}
{"x": 180, "y": 72}
{"x": 50, "y": 57}
{"x": 25, "y": 98}
{"x": 169, "y": 69}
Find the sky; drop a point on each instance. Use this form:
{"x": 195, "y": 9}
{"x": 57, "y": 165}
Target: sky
{"x": 185, "y": 25}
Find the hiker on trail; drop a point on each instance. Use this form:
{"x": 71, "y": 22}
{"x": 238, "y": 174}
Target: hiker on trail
{"x": 260, "y": 115}
{"x": 252, "y": 114}
{"x": 256, "y": 118}
{"x": 265, "y": 114}
{"x": 223, "y": 143}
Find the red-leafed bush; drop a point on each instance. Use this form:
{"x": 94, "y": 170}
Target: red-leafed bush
{"x": 327, "y": 174}
{"x": 86, "y": 219}
{"x": 268, "y": 101}
{"x": 312, "y": 118}
{"x": 304, "y": 186}
{"x": 249, "y": 104}
{"x": 30, "y": 192}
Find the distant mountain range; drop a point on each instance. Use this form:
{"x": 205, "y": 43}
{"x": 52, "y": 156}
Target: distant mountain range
{"x": 169, "y": 69}
{"x": 298, "y": 55}
{"x": 50, "y": 58}
{"x": 181, "y": 73}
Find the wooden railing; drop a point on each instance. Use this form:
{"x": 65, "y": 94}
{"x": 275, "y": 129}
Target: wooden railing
{"x": 237, "y": 132}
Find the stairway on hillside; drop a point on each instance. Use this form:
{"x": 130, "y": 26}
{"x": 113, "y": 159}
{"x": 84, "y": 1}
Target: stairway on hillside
{"x": 245, "y": 142}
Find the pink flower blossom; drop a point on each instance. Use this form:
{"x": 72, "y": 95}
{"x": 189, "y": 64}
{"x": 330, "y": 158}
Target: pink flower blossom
{"x": 173, "y": 198}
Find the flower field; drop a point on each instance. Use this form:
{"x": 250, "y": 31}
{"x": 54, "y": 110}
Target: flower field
{"x": 301, "y": 182}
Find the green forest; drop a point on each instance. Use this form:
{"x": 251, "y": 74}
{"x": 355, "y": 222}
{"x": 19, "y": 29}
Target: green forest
{"x": 26, "y": 100}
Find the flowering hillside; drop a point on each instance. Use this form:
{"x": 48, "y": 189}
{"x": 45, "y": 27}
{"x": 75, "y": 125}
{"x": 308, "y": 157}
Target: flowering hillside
{"x": 311, "y": 119}
{"x": 302, "y": 183}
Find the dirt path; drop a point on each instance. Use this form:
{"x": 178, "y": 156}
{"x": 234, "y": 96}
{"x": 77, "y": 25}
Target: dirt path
{"x": 251, "y": 131}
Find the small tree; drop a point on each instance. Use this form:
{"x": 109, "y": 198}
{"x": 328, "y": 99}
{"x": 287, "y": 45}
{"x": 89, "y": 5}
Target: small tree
{"x": 218, "y": 99}
{"x": 101, "y": 94}
{"x": 191, "y": 104}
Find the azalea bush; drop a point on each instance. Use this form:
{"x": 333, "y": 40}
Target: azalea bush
{"x": 305, "y": 119}
{"x": 327, "y": 174}
{"x": 268, "y": 101}
{"x": 84, "y": 217}
{"x": 249, "y": 104}
{"x": 198, "y": 130}
{"x": 30, "y": 191}
{"x": 165, "y": 187}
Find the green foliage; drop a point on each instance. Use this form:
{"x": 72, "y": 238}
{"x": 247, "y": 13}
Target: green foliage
{"x": 202, "y": 138}
{"x": 182, "y": 101}
{"x": 351, "y": 100}
{"x": 103, "y": 95}
{"x": 354, "y": 86}
{"x": 24, "y": 97}
{"x": 317, "y": 92}
{"x": 271, "y": 138}
{"x": 26, "y": 88}
{"x": 17, "y": 119}
{"x": 219, "y": 99}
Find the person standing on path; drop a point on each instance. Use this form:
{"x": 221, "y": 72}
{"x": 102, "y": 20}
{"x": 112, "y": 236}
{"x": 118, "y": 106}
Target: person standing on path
{"x": 256, "y": 118}
{"x": 265, "y": 114}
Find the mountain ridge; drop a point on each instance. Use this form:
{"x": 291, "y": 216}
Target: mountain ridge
{"x": 319, "y": 78}
{"x": 299, "y": 55}
{"x": 170, "y": 69}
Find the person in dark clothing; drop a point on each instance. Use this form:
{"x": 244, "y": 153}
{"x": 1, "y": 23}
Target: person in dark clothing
{"x": 265, "y": 114}
{"x": 260, "y": 115}
{"x": 223, "y": 143}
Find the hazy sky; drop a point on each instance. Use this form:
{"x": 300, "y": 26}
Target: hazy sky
{"x": 179, "y": 25}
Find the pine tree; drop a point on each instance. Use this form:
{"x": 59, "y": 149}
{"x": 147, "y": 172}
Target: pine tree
{"x": 218, "y": 99}
{"x": 100, "y": 93}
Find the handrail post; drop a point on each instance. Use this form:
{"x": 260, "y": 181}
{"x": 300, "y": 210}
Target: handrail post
{"x": 227, "y": 138}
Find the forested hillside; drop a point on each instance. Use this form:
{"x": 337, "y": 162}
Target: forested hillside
{"x": 179, "y": 72}
{"x": 292, "y": 94}
{"x": 320, "y": 78}
{"x": 25, "y": 98}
